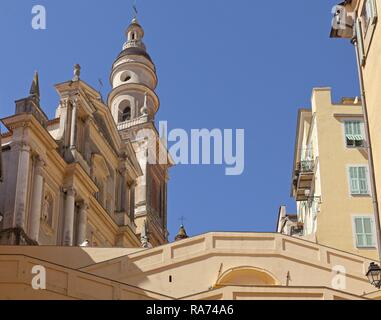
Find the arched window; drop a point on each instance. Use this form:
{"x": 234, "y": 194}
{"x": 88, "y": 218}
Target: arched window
{"x": 126, "y": 115}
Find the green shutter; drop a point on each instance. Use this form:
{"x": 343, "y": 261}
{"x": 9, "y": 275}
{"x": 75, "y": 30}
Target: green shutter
{"x": 360, "y": 240}
{"x": 355, "y": 187}
{"x": 368, "y": 230}
{"x": 364, "y": 232}
{"x": 357, "y": 128}
{"x": 359, "y": 180}
{"x": 363, "y": 180}
{"x": 348, "y": 128}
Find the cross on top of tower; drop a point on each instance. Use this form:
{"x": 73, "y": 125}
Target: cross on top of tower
{"x": 135, "y": 9}
{"x": 182, "y": 219}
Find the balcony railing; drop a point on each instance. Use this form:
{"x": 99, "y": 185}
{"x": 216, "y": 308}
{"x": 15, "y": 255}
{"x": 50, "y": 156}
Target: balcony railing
{"x": 131, "y": 123}
{"x": 306, "y": 166}
{"x": 303, "y": 179}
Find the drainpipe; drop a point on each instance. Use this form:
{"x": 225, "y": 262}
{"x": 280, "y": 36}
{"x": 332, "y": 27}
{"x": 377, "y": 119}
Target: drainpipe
{"x": 369, "y": 148}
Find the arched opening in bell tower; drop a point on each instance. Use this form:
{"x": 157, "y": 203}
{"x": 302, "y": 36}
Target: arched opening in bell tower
{"x": 125, "y": 111}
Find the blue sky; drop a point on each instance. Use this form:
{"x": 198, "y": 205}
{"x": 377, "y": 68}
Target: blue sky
{"x": 221, "y": 64}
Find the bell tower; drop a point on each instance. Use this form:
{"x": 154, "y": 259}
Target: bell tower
{"x": 134, "y": 104}
{"x": 133, "y": 79}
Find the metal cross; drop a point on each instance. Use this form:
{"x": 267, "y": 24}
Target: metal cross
{"x": 134, "y": 7}
{"x": 182, "y": 219}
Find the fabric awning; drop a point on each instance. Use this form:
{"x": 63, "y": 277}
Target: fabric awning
{"x": 354, "y": 137}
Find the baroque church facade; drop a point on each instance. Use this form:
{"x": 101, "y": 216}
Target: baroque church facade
{"x": 83, "y": 178}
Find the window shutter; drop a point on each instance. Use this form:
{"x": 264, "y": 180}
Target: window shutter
{"x": 355, "y": 188}
{"x": 363, "y": 180}
{"x": 368, "y": 230}
{"x": 364, "y": 230}
{"x": 357, "y": 128}
{"x": 348, "y": 128}
{"x": 360, "y": 42}
{"x": 359, "y": 232}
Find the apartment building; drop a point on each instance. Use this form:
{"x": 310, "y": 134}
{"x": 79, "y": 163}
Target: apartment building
{"x": 331, "y": 182}
{"x": 357, "y": 20}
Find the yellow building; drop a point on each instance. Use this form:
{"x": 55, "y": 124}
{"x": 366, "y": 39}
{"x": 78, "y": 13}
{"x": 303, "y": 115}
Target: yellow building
{"x": 360, "y": 22}
{"x": 214, "y": 266}
{"x": 331, "y": 182}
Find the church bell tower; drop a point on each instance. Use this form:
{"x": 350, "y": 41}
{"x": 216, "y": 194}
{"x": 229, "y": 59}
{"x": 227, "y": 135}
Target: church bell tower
{"x": 134, "y": 104}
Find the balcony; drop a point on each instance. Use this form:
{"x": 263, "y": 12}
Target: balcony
{"x": 303, "y": 179}
{"x": 131, "y": 123}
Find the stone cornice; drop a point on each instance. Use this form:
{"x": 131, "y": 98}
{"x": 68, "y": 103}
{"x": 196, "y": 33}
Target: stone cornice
{"x": 27, "y": 120}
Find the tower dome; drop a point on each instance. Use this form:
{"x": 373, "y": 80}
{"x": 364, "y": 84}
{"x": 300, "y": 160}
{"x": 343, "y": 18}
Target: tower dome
{"x": 134, "y": 44}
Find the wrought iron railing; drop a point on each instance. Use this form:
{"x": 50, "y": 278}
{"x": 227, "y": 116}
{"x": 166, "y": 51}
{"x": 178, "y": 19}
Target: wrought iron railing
{"x": 306, "y": 166}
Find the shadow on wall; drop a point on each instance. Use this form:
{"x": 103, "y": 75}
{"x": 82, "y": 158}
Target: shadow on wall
{"x": 70, "y": 257}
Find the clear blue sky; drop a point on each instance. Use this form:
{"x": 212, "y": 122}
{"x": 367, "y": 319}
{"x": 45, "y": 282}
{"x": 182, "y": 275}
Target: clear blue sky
{"x": 221, "y": 64}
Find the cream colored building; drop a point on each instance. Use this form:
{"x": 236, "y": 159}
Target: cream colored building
{"x": 331, "y": 182}
{"x": 229, "y": 266}
{"x": 88, "y": 210}
{"x": 364, "y": 15}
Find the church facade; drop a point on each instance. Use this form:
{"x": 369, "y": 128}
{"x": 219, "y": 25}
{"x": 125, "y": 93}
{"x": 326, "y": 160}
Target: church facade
{"x": 84, "y": 177}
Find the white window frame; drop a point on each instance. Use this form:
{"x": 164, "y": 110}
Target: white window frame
{"x": 354, "y": 195}
{"x": 372, "y": 19}
{"x": 354, "y": 231}
{"x": 365, "y": 34}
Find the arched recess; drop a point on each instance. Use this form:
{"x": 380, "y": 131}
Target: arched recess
{"x": 124, "y": 111}
{"x": 247, "y": 276}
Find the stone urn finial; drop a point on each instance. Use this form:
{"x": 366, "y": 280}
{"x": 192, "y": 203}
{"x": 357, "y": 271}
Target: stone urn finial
{"x": 77, "y": 72}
